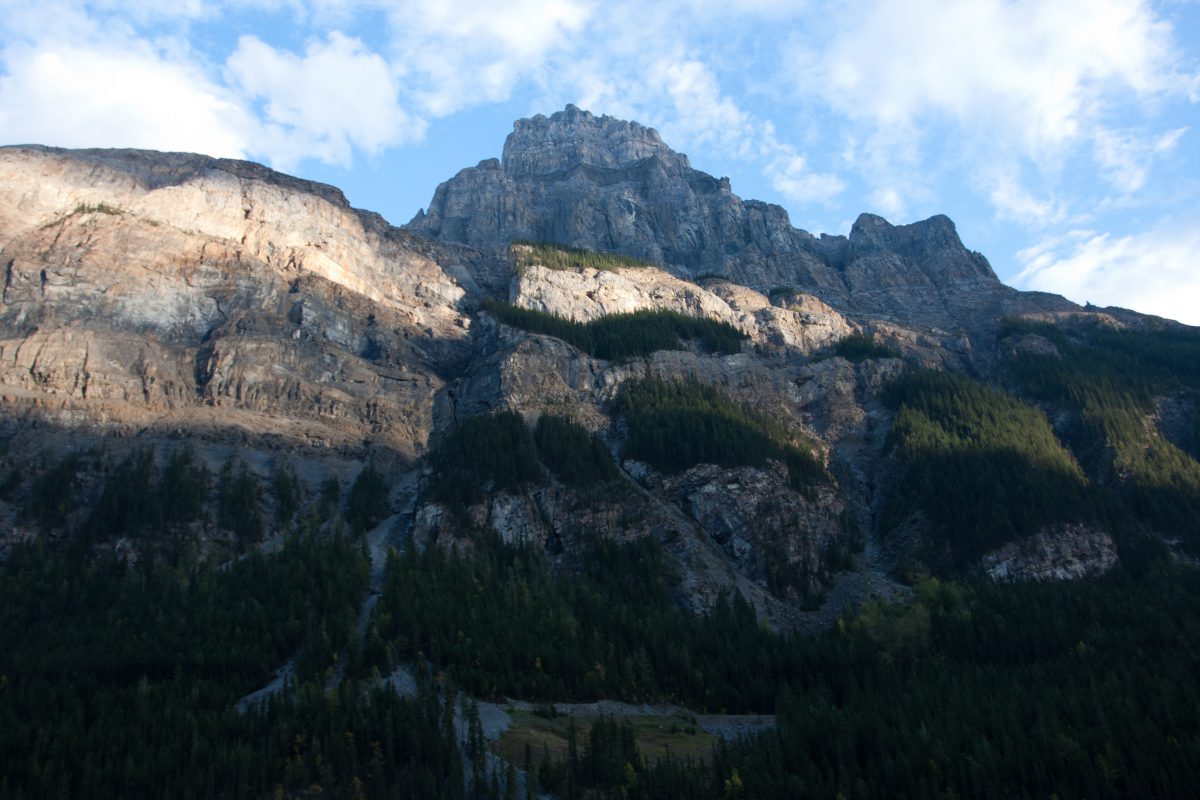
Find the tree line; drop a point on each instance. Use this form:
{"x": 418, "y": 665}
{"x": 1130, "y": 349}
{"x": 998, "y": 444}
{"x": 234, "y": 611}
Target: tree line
{"x": 557, "y": 256}
{"x": 616, "y": 337}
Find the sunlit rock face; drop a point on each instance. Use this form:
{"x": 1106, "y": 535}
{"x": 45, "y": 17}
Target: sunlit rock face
{"x": 144, "y": 288}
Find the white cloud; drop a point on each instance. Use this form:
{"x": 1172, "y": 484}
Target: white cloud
{"x": 699, "y": 110}
{"x": 458, "y": 53}
{"x": 1013, "y": 201}
{"x": 993, "y": 84}
{"x": 791, "y": 177}
{"x": 1125, "y": 156}
{"x": 77, "y": 96}
{"x": 889, "y": 201}
{"x": 1038, "y": 67}
{"x": 336, "y": 97}
{"x": 1154, "y": 272}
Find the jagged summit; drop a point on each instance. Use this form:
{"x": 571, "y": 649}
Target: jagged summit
{"x": 606, "y": 184}
{"x": 575, "y": 138}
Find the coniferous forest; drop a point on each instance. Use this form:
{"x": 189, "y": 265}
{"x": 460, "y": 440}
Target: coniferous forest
{"x": 132, "y": 677}
{"x": 624, "y": 336}
{"x": 124, "y": 680}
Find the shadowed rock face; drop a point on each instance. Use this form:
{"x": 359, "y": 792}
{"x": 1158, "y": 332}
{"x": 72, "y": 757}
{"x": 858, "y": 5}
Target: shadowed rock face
{"x": 610, "y": 185}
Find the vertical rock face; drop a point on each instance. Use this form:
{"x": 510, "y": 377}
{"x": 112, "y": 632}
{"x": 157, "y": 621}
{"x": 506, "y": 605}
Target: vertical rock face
{"x": 605, "y": 184}
{"x": 156, "y": 288}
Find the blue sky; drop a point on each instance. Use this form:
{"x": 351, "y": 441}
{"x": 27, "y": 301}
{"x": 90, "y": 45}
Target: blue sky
{"x": 1060, "y": 135}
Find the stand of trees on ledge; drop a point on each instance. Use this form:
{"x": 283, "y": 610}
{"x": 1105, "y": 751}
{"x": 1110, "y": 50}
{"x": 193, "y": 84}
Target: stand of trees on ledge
{"x": 676, "y": 425}
{"x": 862, "y": 346}
{"x": 983, "y": 467}
{"x": 498, "y": 450}
{"x": 623, "y": 336}
{"x": 557, "y": 256}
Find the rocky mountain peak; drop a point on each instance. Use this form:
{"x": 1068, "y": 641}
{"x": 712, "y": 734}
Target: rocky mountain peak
{"x": 610, "y": 185}
{"x": 575, "y": 138}
{"x": 931, "y": 241}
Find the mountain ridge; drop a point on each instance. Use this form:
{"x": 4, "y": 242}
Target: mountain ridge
{"x": 604, "y": 184}
{"x": 149, "y": 292}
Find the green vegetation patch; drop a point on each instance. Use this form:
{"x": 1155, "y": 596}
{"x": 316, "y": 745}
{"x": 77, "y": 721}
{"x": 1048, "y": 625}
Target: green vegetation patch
{"x": 495, "y": 450}
{"x": 989, "y": 690}
{"x": 984, "y": 467}
{"x": 52, "y": 496}
{"x": 501, "y": 624}
{"x": 676, "y": 425}
{"x": 138, "y": 499}
{"x": 498, "y": 452}
{"x": 238, "y": 499}
{"x": 861, "y": 346}
{"x": 1109, "y": 379}
{"x": 367, "y": 502}
{"x": 995, "y": 686}
{"x": 557, "y": 256}
{"x": 565, "y": 754}
{"x": 623, "y": 336}
{"x": 120, "y": 680}
{"x": 575, "y": 456}
{"x": 654, "y": 736}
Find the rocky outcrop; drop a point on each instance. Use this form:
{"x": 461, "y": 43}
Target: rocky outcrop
{"x": 1065, "y": 553}
{"x": 610, "y": 185}
{"x": 800, "y": 323}
{"x": 772, "y": 533}
{"x": 1177, "y": 419}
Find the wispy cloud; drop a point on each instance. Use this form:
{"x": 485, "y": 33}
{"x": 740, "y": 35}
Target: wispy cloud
{"x": 1153, "y": 271}
{"x": 1126, "y": 156}
{"x": 792, "y": 177}
{"x": 460, "y": 53}
{"x": 1026, "y": 82}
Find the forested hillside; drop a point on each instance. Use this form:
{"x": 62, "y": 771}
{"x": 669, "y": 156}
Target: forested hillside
{"x": 1110, "y": 384}
{"x": 983, "y": 467}
{"x": 123, "y": 680}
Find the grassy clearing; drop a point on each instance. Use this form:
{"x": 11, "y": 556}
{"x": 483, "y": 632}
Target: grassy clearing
{"x": 677, "y": 735}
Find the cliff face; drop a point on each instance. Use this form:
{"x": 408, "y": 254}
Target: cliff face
{"x": 146, "y": 289}
{"x": 801, "y": 323}
{"x": 174, "y": 301}
{"x": 609, "y": 185}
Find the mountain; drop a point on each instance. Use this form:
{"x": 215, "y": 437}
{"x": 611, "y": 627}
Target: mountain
{"x": 612, "y": 186}
{"x": 626, "y": 434}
